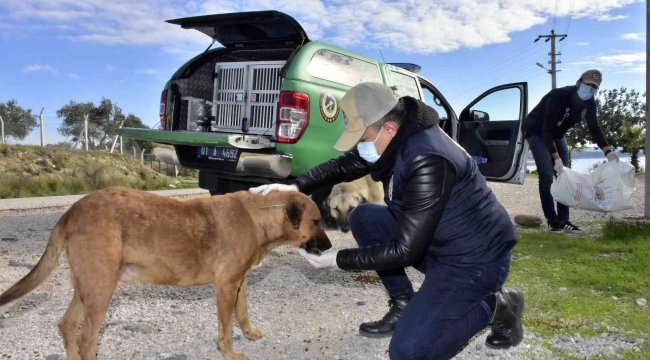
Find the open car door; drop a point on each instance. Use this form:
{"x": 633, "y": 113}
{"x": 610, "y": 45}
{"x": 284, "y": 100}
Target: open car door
{"x": 490, "y": 129}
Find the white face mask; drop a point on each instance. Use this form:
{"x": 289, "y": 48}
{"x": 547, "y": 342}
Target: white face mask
{"x": 586, "y": 92}
{"x": 368, "y": 151}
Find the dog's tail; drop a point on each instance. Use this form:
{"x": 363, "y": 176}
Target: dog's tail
{"x": 43, "y": 268}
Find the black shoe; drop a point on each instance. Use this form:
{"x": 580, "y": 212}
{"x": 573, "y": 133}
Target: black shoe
{"x": 567, "y": 227}
{"x": 555, "y": 227}
{"x": 506, "y": 326}
{"x": 386, "y": 326}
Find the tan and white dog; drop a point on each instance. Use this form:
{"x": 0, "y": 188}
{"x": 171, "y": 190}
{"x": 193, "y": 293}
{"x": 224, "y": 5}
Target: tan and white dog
{"x": 123, "y": 235}
{"x": 345, "y": 197}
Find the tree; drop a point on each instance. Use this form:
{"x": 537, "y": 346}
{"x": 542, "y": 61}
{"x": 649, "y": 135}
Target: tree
{"x": 104, "y": 120}
{"x": 613, "y": 108}
{"x": 18, "y": 121}
{"x": 632, "y": 140}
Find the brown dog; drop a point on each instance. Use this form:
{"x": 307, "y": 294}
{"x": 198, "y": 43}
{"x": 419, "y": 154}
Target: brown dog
{"x": 133, "y": 236}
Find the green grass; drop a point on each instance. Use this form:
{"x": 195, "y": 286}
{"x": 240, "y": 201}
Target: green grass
{"x": 591, "y": 269}
{"x": 32, "y": 171}
{"x": 86, "y": 180}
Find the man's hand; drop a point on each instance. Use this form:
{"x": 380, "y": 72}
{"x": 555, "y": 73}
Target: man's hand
{"x": 325, "y": 260}
{"x": 558, "y": 167}
{"x": 612, "y": 156}
{"x": 265, "y": 189}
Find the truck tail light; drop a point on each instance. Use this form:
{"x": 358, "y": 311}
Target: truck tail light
{"x": 163, "y": 107}
{"x": 293, "y": 116}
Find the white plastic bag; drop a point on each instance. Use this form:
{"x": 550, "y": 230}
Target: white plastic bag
{"x": 608, "y": 188}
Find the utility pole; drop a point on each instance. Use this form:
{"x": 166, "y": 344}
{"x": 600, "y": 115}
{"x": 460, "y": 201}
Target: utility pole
{"x": 42, "y": 130}
{"x": 553, "y": 63}
{"x": 2, "y": 124}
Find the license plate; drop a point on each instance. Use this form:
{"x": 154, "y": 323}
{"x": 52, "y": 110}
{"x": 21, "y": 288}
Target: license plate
{"x": 217, "y": 153}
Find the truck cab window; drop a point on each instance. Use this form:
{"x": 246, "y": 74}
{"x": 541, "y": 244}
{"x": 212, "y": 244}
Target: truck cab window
{"x": 434, "y": 101}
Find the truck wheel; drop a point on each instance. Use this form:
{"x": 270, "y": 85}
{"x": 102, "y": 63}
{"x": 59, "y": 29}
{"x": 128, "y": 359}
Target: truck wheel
{"x": 226, "y": 186}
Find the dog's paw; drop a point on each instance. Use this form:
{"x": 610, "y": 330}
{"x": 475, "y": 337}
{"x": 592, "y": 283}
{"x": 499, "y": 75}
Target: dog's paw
{"x": 254, "y": 334}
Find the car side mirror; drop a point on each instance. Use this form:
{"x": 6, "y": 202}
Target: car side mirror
{"x": 478, "y": 115}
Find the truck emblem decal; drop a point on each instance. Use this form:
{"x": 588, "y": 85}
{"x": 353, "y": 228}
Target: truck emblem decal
{"x": 329, "y": 106}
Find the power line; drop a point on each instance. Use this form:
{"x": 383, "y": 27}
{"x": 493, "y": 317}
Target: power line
{"x": 520, "y": 74}
{"x": 492, "y": 64}
{"x": 541, "y": 10}
{"x": 489, "y": 78}
{"x": 488, "y": 74}
{"x": 555, "y": 14}
{"x": 568, "y": 24}
{"x": 573, "y": 2}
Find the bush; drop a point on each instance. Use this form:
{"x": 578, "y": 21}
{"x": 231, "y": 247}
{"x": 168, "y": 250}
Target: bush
{"x": 30, "y": 171}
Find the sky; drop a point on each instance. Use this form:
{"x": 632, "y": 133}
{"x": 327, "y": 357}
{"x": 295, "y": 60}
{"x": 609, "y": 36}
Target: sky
{"x": 57, "y": 51}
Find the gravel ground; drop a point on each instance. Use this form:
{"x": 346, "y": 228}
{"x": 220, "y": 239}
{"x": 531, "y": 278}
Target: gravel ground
{"x": 305, "y": 313}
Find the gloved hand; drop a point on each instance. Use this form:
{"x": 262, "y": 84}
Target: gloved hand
{"x": 325, "y": 260}
{"x": 559, "y": 166}
{"x": 265, "y": 189}
{"x": 611, "y": 156}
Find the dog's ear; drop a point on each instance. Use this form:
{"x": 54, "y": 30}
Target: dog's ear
{"x": 293, "y": 212}
{"x": 326, "y": 203}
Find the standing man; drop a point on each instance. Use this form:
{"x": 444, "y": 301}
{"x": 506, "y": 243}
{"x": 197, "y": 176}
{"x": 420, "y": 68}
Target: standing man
{"x": 557, "y": 112}
{"x": 441, "y": 218}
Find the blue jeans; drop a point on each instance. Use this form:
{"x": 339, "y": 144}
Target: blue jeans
{"x": 544, "y": 163}
{"x": 448, "y": 310}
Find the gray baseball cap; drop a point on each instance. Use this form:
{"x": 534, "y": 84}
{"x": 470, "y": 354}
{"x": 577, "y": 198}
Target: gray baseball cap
{"x": 363, "y": 105}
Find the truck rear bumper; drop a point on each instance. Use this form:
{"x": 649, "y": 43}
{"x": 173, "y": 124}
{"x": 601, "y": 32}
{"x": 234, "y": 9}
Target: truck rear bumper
{"x": 257, "y": 156}
{"x": 253, "y": 164}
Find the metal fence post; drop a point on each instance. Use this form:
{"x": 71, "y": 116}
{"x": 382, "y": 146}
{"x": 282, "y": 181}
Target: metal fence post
{"x": 117, "y": 136}
{"x": 86, "y": 131}
{"x": 42, "y": 129}
{"x": 647, "y": 116}
{"x": 2, "y": 124}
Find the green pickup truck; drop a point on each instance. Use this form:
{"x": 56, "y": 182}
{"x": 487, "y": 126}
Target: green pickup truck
{"x": 265, "y": 108}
